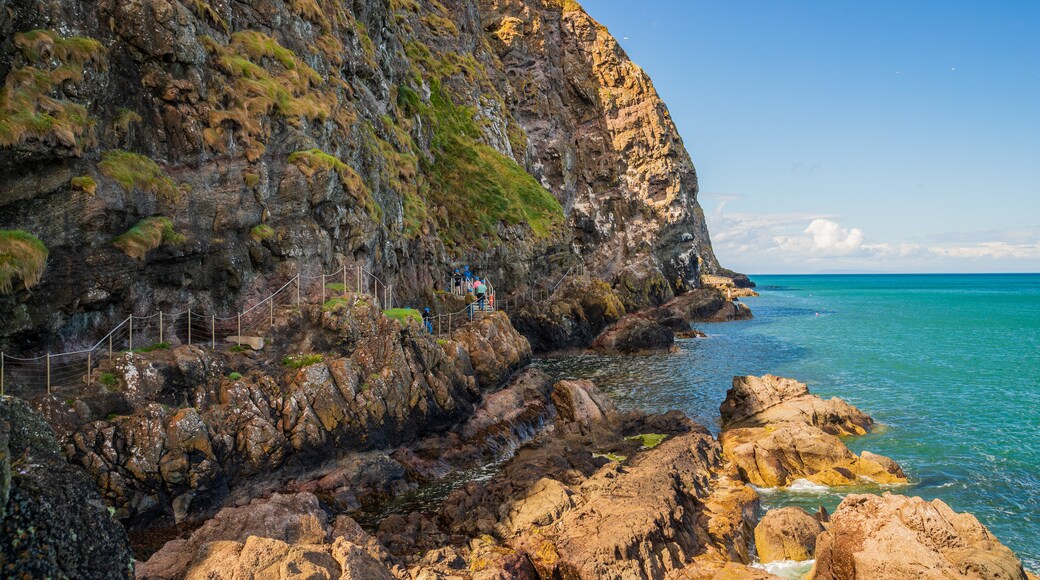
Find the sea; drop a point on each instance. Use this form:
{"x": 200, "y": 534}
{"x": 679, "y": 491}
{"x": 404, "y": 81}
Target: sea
{"x": 948, "y": 365}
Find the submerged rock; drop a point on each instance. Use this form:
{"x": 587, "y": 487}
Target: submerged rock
{"x": 891, "y": 537}
{"x": 52, "y": 519}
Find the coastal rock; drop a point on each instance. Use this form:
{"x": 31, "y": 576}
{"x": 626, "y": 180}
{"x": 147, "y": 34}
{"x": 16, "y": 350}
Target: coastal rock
{"x": 377, "y": 385}
{"x": 641, "y": 286}
{"x": 759, "y": 401}
{"x": 707, "y": 305}
{"x": 786, "y": 534}
{"x": 581, "y": 402}
{"x": 280, "y": 537}
{"x": 53, "y": 523}
{"x": 779, "y": 454}
{"x": 571, "y": 318}
{"x": 894, "y": 537}
{"x": 634, "y": 333}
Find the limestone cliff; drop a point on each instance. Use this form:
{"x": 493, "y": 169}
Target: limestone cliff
{"x": 170, "y": 153}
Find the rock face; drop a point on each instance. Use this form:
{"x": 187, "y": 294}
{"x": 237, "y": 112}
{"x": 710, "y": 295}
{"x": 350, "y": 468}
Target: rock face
{"x": 776, "y": 432}
{"x": 571, "y": 318}
{"x": 310, "y": 136}
{"x": 758, "y": 401}
{"x": 892, "y": 536}
{"x": 787, "y": 534}
{"x": 707, "y": 305}
{"x": 281, "y": 537}
{"x": 53, "y": 522}
{"x": 377, "y": 385}
{"x": 639, "y": 332}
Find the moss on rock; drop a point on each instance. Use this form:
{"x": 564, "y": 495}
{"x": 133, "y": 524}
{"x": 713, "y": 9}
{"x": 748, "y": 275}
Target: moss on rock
{"x": 22, "y": 257}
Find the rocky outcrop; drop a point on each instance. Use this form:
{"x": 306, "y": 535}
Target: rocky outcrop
{"x": 892, "y": 536}
{"x": 377, "y": 385}
{"x": 53, "y": 522}
{"x": 758, "y": 401}
{"x": 635, "y": 333}
{"x": 787, "y": 534}
{"x": 776, "y": 432}
{"x": 571, "y": 318}
{"x": 707, "y": 305}
{"x": 780, "y": 454}
{"x": 281, "y": 537}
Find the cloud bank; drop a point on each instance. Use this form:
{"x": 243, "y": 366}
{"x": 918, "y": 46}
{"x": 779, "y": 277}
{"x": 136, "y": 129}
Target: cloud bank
{"x": 806, "y": 242}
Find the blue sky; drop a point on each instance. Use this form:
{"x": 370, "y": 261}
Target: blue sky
{"x": 853, "y": 137}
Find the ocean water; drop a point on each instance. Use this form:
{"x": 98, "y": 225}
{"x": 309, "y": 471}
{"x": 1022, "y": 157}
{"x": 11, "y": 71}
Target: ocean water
{"x": 949, "y": 365}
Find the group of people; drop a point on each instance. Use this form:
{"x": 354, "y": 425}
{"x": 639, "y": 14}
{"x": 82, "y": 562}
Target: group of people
{"x": 464, "y": 282}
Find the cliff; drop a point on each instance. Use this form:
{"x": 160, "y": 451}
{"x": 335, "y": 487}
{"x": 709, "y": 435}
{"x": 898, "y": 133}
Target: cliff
{"x": 165, "y": 154}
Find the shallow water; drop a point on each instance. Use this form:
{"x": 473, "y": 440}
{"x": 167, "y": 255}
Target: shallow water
{"x": 948, "y": 364}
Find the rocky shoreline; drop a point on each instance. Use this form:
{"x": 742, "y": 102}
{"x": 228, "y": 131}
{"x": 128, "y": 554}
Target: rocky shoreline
{"x": 459, "y": 461}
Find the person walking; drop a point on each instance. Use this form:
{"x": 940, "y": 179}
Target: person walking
{"x": 426, "y": 320}
{"x": 457, "y": 288}
{"x": 481, "y": 291}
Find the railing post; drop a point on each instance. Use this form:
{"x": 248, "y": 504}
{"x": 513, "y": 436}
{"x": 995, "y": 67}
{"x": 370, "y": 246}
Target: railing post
{"x": 272, "y": 311}
{"x": 90, "y": 360}
{"x": 110, "y": 345}
{"x": 213, "y": 332}
{"x": 239, "y": 337}
{"x": 449, "y": 324}
{"x": 131, "y": 332}
{"x": 298, "y": 279}
{"x": 160, "y": 326}
{"x": 323, "y": 287}
{"x": 344, "y": 281}
{"x": 438, "y": 326}
{"x": 189, "y": 327}
{"x": 48, "y": 373}
{"x": 359, "y": 279}
{"x": 1, "y": 373}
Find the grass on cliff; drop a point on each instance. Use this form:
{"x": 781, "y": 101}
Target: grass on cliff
{"x": 31, "y": 100}
{"x": 146, "y": 235}
{"x": 475, "y": 187}
{"x": 22, "y": 257}
{"x": 312, "y": 161}
{"x": 84, "y": 183}
{"x": 131, "y": 171}
{"x": 261, "y": 232}
{"x": 403, "y": 315}
{"x": 298, "y": 361}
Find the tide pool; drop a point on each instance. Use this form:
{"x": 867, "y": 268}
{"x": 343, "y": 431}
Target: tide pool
{"x": 948, "y": 365}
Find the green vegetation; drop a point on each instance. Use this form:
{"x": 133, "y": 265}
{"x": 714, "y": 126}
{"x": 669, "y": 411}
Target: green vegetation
{"x": 337, "y": 287}
{"x": 22, "y": 257}
{"x": 334, "y": 304}
{"x": 478, "y": 187}
{"x": 108, "y": 379}
{"x": 31, "y": 103}
{"x": 298, "y": 361}
{"x": 648, "y": 440}
{"x": 131, "y": 171}
{"x": 261, "y": 232}
{"x": 311, "y": 161}
{"x": 264, "y": 79}
{"x": 152, "y": 347}
{"x": 611, "y": 456}
{"x": 86, "y": 184}
{"x": 403, "y": 315}
{"x": 146, "y": 235}
{"x": 124, "y": 119}
{"x": 238, "y": 348}
{"x": 251, "y": 179}
{"x": 206, "y": 12}
{"x": 235, "y": 376}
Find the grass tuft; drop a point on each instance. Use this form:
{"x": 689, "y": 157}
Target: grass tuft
{"x": 298, "y": 361}
{"x": 648, "y": 440}
{"x": 131, "y": 170}
{"x": 85, "y": 183}
{"x": 152, "y": 347}
{"x": 235, "y": 376}
{"x": 334, "y": 304}
{"x": 403, "y": 315}
{"x": 146, "y": 235}
{"x": 22, "y": 257}
{"x": 312, "y": 161}
{"x": 261, "y": 232}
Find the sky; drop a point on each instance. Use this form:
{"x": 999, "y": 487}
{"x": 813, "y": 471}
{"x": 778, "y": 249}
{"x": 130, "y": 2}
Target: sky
{"x": 848, "y": 137}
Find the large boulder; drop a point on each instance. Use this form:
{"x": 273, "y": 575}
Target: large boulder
{"x": 640, "y": 332}
{"x": 758, "y": 401}
{"x": 581, "y": 402}
{"x": 895, "y": 537}
{"x": 778, "y": 455}
{"x": 707, "y": 305}
{"x": 787, "y": 534}
{"x": 52, "y": 519}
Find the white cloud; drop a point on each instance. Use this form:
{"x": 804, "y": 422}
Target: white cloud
{"x": 806, "y": 242}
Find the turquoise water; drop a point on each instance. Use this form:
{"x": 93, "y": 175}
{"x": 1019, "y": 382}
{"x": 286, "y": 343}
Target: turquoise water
{"x": 948, "y": 364}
